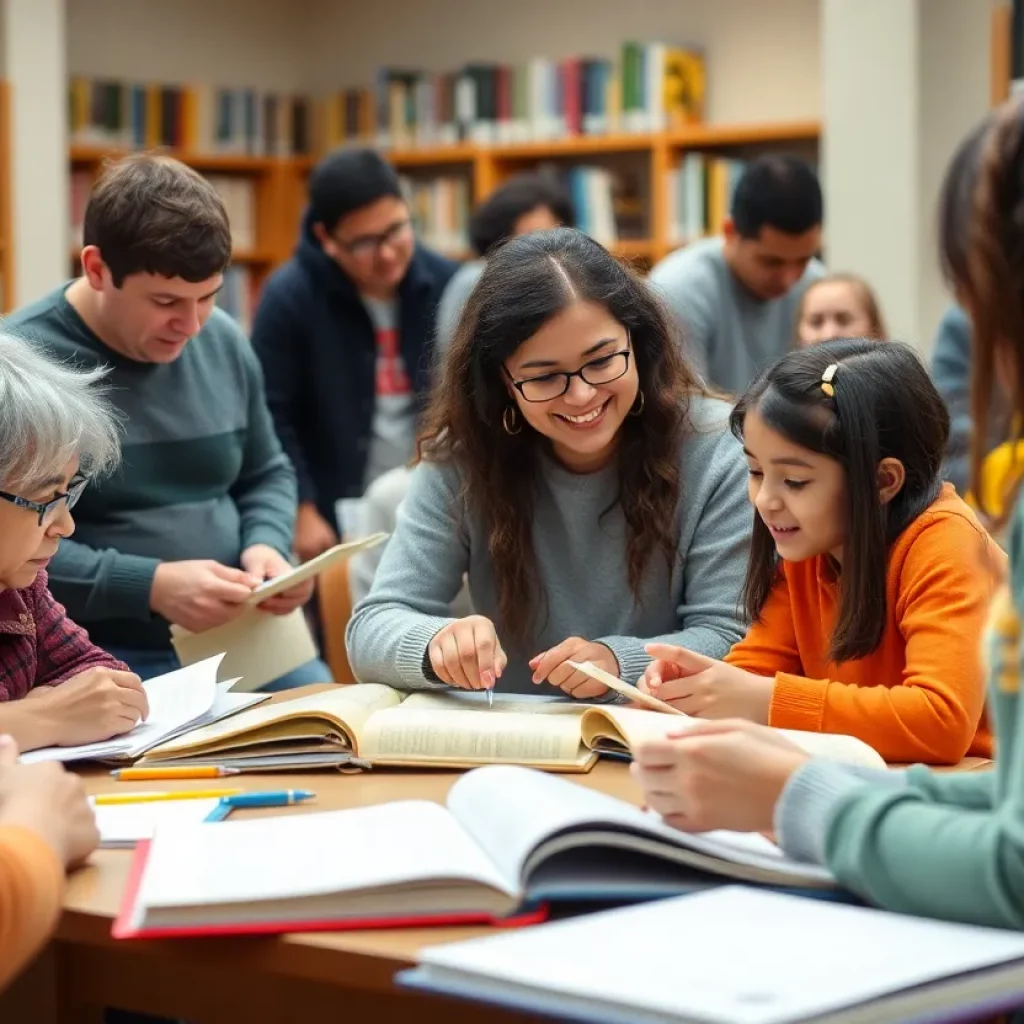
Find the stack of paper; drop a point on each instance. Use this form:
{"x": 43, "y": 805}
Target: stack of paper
{"x": 178, "y": 701}
{"x": 737, "y": 956}
{"x": 124, "y": 825}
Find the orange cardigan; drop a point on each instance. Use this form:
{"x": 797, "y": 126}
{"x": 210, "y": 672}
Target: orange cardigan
{"x": 31, "y": 887}
{"x": 920, "y": 695}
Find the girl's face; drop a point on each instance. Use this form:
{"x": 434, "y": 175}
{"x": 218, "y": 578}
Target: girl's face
{"x": 582, "y": 421}
{"x": 833, "y": 309}
{"x": 28, "y": 545}
{"x": 800, "y": 495}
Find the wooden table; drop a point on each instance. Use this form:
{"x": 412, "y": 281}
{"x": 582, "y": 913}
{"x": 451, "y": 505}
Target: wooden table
{"x": 291, "y": 979}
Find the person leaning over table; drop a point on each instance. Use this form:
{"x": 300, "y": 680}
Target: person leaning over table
{"x": 56, "y": 432}
{"x": 574, "y": 467}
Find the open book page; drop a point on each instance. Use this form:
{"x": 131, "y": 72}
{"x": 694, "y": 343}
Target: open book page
{"x": 450, "y": 728}
{"x": 511, "y": 811}
{"x": 343, "y": 710}
{"x": 176, "y": 700}
{"x": 628, "y": 727}
{"x": 315, "y": 855}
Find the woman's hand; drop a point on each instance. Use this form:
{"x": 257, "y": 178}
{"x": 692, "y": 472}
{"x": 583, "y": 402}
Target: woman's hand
{"x": 705, "y": 688}
{"x": 552, "y": 666}
{"x": 727, "y": 774}
{"x": 467, "y": 654}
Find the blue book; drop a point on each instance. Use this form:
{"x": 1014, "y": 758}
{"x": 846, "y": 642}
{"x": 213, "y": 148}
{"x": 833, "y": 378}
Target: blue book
{"x": 735, "y": 955}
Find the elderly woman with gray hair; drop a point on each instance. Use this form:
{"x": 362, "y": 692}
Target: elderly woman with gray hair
{"x": 56, "y": 433}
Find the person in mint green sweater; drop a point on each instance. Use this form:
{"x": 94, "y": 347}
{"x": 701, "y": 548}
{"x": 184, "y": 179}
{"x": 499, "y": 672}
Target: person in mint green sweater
{"x": 938, "y": 845}
{"x": 574, "y": 469}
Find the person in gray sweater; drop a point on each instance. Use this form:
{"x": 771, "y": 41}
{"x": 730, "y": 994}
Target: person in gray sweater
{"x": 573, "y": 468}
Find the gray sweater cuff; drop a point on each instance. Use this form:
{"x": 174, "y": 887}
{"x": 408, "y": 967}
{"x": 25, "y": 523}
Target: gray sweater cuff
{"x": 411, "y": 662}
{"x": 810, "y": 798}
{"x": 630, "y": 654}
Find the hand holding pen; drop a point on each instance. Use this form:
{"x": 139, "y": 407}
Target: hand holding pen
{"x": 468, "y": 655}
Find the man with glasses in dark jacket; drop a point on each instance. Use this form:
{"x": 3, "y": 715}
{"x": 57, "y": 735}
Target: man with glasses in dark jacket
{"x": 344, "y": 331}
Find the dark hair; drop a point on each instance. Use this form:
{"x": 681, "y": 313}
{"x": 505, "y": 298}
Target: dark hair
{"x": 981, "y": 239}
{"x": 347, "y": 180}
{"x": 494, "y": 220}
{"x": 524, "y": 284}
{"x": 150, "y": 214}
{"x": 884, "y": 406}
{"x": 779, "y": 192}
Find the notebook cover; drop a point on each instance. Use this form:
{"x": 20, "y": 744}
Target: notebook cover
{"x": 123, "y": 929}
{"x": 547, "y": 1006}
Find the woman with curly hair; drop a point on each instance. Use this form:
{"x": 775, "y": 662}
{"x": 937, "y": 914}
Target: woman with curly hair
{"x": 575, "y": 469}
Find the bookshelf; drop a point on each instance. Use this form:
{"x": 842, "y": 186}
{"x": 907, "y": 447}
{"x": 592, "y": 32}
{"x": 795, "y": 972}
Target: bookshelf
{"x": 660, "y": 153}
{"x": 6, "y": 226}
{"x": 1001, "y": 61}
{"x": 280, "y": 182}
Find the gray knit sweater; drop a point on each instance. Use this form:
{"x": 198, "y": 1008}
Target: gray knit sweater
{"x": 582, "y": 567}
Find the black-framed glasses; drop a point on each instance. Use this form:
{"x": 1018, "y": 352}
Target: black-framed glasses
{"x": 367, "y": 245}
{"x": 553, "y": 385}
{"x": 47, "y": 510}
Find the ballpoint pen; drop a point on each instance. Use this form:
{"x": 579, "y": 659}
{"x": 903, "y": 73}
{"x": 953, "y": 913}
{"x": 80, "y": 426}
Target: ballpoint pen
{"x": 271, "y": 798}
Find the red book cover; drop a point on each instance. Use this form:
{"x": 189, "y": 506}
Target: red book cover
{"x": 123, "y": 928}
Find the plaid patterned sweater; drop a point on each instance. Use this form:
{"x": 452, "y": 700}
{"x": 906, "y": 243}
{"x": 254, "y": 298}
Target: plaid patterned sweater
{"x": 39, "y": 644}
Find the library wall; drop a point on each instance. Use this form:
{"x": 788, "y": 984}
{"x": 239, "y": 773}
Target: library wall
{"x": 223, "y": 42}
{"x": 763, "y": 56}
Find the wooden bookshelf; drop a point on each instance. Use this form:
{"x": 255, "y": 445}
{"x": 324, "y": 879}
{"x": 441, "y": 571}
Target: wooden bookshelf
{"x": 6, "y": 225}
{"x": 280, "y": 183}
{"x": 1001, "y": 56}
{"x": 489, "y": 166}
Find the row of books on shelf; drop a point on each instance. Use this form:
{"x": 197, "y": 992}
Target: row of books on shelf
{"x": 647, "y": 87}
{"x": 441, "y": 207}
{"x": 611, "y": 203}
{"x": 194, "y": 118}
{"x": 699, "y": 193}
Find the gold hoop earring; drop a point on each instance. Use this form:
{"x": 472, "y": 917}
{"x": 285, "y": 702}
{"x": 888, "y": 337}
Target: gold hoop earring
{"x": 638, "y": 405}
{"x": 508, "y": 421}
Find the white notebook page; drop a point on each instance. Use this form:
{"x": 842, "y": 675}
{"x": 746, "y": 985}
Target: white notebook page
{"x": 733, "y": 954}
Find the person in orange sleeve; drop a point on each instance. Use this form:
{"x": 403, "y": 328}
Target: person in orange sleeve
{"x": 46, "y": 826}
{"x": 869, "y": 579}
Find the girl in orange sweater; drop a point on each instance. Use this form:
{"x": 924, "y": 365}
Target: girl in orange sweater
{"x": 869, "y": 579}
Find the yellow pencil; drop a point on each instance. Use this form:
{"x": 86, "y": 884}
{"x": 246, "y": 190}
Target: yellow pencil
{"x": 178, "y": 794}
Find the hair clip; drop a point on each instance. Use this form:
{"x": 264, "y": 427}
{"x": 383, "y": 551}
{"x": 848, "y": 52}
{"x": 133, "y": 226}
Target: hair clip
{"x": 826, "y": 379}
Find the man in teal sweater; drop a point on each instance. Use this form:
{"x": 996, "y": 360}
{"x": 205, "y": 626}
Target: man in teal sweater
{"x": 203, "y": 508}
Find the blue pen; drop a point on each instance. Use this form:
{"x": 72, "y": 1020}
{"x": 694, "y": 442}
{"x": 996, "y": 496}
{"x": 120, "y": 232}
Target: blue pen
{"x": 279, "y": 798}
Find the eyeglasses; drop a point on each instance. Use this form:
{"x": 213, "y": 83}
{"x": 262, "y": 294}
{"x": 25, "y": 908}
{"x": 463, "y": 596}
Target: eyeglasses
{"x": 48, "y": 510}
{"x": 367, "y": 245}
{"x": 553, "y": 385}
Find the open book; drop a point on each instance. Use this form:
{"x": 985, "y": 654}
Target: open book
{"x": 449, "y": 729}
{"x": 508, "y": 841}
{"x": 736, "y": 955}
{"x": 185, "y": 699}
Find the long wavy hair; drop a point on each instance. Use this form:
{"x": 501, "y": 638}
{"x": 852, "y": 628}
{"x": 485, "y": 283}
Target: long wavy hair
{"x": 526, "y": 282}
{"x": 981, "y": 239}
